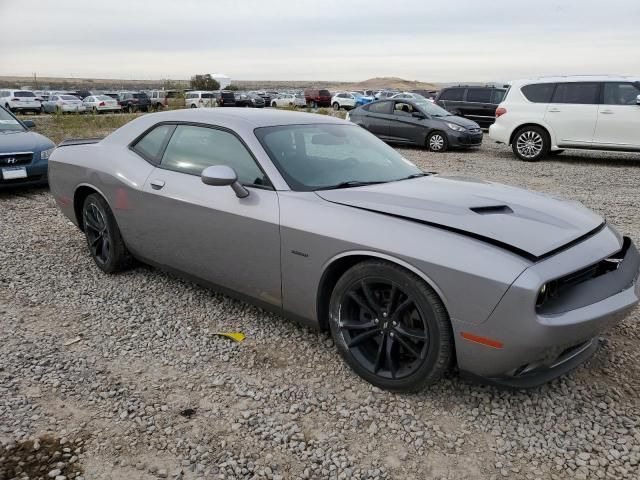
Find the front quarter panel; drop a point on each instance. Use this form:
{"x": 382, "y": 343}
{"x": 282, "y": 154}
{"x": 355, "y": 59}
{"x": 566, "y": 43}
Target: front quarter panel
{"x": 470, "y": 276}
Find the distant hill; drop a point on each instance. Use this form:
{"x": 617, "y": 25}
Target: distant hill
{"x": 109, "y": 84}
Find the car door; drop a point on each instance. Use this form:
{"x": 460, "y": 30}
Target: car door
{"x": 403, "y": 126}
{"x": 618, "y": 123}
{"x": 572, "y": 113}
{"x": 207, "y": 231}
{"x": 478, "y": 106}
{"x": 376, "y": 118}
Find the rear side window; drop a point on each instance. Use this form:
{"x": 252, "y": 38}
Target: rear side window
{"x": 207, "y": 95}
{"x": 620, "y": 93}
{"x": 380, "y": 107}
{"x": 139, "y": 95}
{"x": 498, "y": 96}
{"x": 581, "y": 93}
{"x": 479, "y": 95}
{"x": 453, "y": 94}
{"x": 151, "y": 145}
{"x": 324, "y": 93}
{"x": 539, "y": 92}
{"x": 192, "y": 149}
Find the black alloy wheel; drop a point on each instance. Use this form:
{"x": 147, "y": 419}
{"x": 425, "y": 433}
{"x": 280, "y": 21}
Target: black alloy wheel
{"x": 103, "y": 235}
{"x": 390, "y": 327}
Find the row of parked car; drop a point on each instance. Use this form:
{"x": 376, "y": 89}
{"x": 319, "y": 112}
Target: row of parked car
{"x": 536, "y": 117}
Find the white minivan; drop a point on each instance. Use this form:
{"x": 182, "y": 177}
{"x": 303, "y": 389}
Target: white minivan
{"x": 544, "y": 116}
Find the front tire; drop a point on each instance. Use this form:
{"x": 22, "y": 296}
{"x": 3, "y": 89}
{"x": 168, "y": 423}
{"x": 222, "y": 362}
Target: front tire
{"x": 103, "y": 235}
{"x": 437, "y": 142}
{"x": 390, "y": 327}
{"x": 531, "y": 144}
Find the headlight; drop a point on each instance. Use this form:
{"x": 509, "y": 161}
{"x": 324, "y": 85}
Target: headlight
{"x": 45, "y": 154}
{"x": 455, "y": 127}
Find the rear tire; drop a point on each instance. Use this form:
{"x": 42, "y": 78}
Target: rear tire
{"x": 103, "y": 236}
{"x": 193, "y": 105}
{"x": 274, "y": 104}
{"x": 437, "y": 142}
{"x": 390, "y": 327}
{"x": 531, "y": 144}
{"x": 336, "y": 106}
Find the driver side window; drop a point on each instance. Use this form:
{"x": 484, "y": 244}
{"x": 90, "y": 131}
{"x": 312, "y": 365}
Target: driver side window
{"x": 192, "y": 149}
{"x": 404, "y": 109}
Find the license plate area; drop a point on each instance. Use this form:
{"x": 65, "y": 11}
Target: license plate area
{"x": 14, "y": 173}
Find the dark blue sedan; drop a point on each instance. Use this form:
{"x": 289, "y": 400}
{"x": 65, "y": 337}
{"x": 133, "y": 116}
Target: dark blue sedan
{"x": 24, "y": 155}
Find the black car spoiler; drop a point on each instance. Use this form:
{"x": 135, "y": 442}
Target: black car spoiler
{"x": 79, "y": 141}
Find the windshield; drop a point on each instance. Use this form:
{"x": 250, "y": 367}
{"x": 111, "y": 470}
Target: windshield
{"x": 8, "y": 123}
{"x": 432, "y": 109}
{"x": 318, "y": 156}
{"x": 24, "y": 94}
{"x": 356, "y": 94}
{"x": 68, "y": 97}
{"x": 104, "y": 97}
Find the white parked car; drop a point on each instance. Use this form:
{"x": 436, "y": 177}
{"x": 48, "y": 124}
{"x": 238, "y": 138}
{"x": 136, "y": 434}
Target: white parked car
{"x": 101, "y": 103}
{"x": 349, "y": 100}
{"x": 288, "y": 100}
{"x": 20, "y": 101}
{"x": 199, "y": 99}
{"x": 544, "y": 116}
{"x": 63, "y": 103}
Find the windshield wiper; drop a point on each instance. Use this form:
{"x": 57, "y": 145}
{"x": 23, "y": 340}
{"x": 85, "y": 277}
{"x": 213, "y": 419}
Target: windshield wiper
{"x": 416, "y": 175}
{"x": 348, "y": 184}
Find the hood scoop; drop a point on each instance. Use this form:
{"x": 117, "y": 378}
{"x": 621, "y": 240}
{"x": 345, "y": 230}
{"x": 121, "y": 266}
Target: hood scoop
{"x": 492, "y": 210}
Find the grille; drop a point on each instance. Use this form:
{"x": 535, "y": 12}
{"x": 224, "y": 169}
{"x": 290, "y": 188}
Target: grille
{"x": 15, "y": 159}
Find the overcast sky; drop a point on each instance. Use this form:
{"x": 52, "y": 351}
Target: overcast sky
{"x": 447, "y": 40}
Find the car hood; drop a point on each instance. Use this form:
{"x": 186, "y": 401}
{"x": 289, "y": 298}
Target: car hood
{"x": 23, "y": 142}
{"x": 530, "y": 224}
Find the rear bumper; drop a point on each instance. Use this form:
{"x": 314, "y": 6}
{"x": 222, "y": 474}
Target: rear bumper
{"x": 73, "y": 108}
{"x": 537, "y": 345}
{"x": 499, "y": 133}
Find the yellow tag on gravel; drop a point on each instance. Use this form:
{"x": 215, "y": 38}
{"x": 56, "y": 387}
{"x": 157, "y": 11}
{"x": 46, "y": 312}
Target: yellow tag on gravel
{"x": 235, "y": 336}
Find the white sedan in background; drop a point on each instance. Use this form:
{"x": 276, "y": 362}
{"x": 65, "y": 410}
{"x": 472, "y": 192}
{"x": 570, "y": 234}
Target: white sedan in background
{"x": 288, "y": 100}
{"x": 101, "y": 103}
{"x": 63, "y": 104}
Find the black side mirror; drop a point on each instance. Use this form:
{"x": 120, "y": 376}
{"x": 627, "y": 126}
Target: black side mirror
{"x": 638, "y": 100}
{"x": 419, "y": 115}
{"x": 29, "y": 123}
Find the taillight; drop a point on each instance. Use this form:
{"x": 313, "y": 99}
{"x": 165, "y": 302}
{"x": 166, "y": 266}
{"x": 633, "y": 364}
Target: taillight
{"x": 101, "y": 104}
{"x": 500, "y": 111}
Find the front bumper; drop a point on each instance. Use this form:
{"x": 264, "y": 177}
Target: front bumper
{"x": 464, "y": 139}
{"x": 36, "y": 175}
{"x": 537, "y": 344}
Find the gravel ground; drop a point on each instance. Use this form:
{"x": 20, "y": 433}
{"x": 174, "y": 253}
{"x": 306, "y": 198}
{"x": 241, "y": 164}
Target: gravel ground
{"x": 123, "y": 377}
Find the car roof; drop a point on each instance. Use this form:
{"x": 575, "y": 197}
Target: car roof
{"x": 240, "y": 120}
{"x": 573, "y": 78}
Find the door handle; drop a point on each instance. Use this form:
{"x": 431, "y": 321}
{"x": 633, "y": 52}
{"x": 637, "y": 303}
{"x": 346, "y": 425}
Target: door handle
{"x": 606, "y": 112}
{"x": 554, "y": 110}
{"x": 157, "y": 184}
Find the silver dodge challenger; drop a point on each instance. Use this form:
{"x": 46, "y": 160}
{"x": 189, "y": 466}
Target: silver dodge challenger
{"x": 313, "y": 217}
